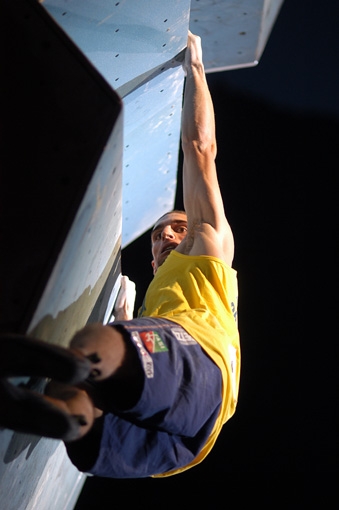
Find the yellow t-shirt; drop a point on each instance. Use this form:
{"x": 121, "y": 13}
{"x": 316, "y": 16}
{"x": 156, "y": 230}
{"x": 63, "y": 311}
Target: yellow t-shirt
{"x": 200, "y": 293}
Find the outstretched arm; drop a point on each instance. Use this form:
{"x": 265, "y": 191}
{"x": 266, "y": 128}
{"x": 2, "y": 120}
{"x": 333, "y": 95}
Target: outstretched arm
{"x": 208, "y": 230}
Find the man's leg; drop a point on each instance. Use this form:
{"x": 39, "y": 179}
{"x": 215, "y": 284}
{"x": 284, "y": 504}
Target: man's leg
{"x": 161, "y": 396}
{"x": 171, "y": 420}
{"x": 117, "y": 377}
{"x": 73, "y": 401}
{"x": 117, "y": 372}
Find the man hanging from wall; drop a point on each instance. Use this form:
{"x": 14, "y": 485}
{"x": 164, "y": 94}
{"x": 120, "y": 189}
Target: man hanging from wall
{"x": 162, "y": 385}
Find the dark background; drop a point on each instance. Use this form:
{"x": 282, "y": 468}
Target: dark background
{"x": 277, "y": 131}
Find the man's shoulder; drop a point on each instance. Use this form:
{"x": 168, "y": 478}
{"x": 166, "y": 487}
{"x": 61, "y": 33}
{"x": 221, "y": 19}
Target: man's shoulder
{"x": 203, "y": 239}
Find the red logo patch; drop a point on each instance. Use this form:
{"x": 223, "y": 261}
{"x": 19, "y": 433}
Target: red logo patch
{"x": 152, "y": 341}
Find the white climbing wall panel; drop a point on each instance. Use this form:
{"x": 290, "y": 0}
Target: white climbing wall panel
{"x": 152, "y": 132}
{"x": 234, "y": 32}
{"x": 133, "y": 44}
{"x": 124, "y": 39}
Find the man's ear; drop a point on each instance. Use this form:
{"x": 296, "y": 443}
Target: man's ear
{"x": 153, "y": 266}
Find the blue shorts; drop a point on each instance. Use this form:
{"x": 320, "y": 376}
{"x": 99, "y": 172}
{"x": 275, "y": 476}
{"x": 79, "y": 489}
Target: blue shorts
{"x": 175, "y": 414}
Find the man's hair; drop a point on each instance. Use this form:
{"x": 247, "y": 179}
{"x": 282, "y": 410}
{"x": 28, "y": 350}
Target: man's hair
{"x": 179, "y": 211}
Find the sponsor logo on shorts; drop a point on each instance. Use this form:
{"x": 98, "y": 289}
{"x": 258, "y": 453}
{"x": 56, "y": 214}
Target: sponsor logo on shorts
{"x": 146, "y": 359}
{"x": 152, "y": 341}
{"x": 183, "y": 337}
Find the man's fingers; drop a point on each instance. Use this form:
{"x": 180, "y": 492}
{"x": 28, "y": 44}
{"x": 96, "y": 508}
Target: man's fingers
{"x": 124, "y": 304}
{"x": 193, "y": 54}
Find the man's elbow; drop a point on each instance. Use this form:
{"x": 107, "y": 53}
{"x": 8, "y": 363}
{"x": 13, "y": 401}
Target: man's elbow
{"x": 205, "y": 147}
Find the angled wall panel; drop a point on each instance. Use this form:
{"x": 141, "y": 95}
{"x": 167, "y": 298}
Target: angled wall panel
{"x": 133, "y": 44}
{"x": 60, "y": 218}
{"x": 89, "y": 252}
{"x": 234, "y": 32}
{"x": 124, "y": 39}
{"x": 152, "y": 133}
{"x": 59, "y": 115}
